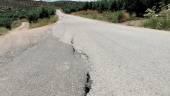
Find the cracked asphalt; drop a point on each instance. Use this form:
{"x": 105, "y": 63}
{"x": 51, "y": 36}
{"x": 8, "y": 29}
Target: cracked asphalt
{"x": 54, "y": 60}
{"x": 125, "y": 60}
{"x": 35, "y": 63}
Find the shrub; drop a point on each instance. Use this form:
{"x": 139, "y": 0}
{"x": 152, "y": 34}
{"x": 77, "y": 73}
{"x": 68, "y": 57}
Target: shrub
{"x": 43, "y": 22}
{"x": 117, "y": 16}
{"x": 157, "y": 23}
{"x": 133, "y": 6}
{"x": 31, "y": 14}
{"x": 44, "y": 13}
{"x": 160, "y": 20}
{"x": 6, "y": 22}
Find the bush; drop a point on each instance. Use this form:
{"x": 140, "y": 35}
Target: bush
{"x": 157, "y": 23}
{"x": 43, "y": 22}
{"x": 73, "y": 8}
{"x": 31, "y": 14}
{"x": 45, "y": 13}
{"x": 117, "y": 16}
{"x": 133, "y": 6}
{"x": 160, "y": 20}
{"x": 6, "y": 22}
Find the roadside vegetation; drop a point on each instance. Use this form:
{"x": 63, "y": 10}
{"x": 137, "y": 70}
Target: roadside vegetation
{"x": 136, "y": 12}
{"x": 160, "y": 20}
{"x": 43, "y": 22}
{"x": 15, "y": 4}
{"x": 132, "y": 6}
{"x": 12, "y": 18}
{"x": 114, "y": 17}
{"x": 3, "y": 30}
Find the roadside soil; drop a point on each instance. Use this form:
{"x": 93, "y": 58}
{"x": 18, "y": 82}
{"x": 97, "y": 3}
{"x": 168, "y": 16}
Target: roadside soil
{"x": 22, "y": 37}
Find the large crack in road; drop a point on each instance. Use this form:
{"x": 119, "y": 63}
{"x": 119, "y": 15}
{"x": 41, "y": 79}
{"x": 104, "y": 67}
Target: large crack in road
{"x": 125, "y": 61}
{"x": 49, "y": 68}
{"x": 114, "y": 57}
{"x": 82, "y": 55}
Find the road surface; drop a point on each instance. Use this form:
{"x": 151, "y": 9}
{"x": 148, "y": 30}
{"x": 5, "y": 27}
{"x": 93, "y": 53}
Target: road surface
{"x": 125, "y": 61}
{"x": 56, "y": 61}
{"x": 35, "y": 63}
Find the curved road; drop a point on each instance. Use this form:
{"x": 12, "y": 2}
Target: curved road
{"x": 54, "y": 61}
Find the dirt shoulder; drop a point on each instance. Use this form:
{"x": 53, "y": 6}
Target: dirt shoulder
{"x": 22, "y": 37}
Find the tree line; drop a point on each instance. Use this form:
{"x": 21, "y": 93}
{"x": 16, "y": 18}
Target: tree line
{"x": 13, "y": 4}
{"x": 133, "y": 6}
{"x": 31, "y": 14}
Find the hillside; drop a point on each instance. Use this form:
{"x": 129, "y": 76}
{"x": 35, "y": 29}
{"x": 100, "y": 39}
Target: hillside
{"x": 9, "y": 4}
{"x": 12, "y": 4}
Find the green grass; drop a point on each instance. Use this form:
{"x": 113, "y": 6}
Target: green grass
{"x": 159, "y": 20}
{"x": 14, "y": 25}
{"x": 161, "y": 23}
{"x": 114, "y": 17}
{"x": 43, "y": 22}
{"x": 158, "y": 23}
{"x": 3, "y": 30}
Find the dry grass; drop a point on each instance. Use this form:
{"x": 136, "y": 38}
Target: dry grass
{"x": 136, "y": 22}
{"x": 3, "y": 30}
{"x": 15, "y": 24}
{"x": 89, "y": 14}
{"x": 43, "y": 22}
{"x": 114, "y": 17}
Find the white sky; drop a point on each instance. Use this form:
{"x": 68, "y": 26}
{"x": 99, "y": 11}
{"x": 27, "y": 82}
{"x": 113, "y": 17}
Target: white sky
{"x": 65, "y": 0}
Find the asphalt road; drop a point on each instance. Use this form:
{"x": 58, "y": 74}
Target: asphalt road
{"x": 123, "y": 60}
{"x": 35, "y": 63}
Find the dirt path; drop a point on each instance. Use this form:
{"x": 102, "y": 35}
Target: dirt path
{"x": 22, "y": 37}
{"x": 24, "y": 26}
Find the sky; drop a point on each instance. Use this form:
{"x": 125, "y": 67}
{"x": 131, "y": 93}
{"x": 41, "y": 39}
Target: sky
{"x": 65, "y": 0}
